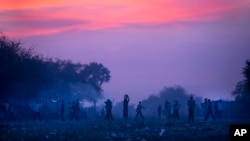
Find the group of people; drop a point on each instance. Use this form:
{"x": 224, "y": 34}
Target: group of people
{"x": 73, "y": 108}
{"x": 172, "y": 111}
{"x": 7, "y": 108}
{"x": 139, "y": 108}
{"x": 167, "y": 106}
{"x": 108, "y": 107}
{"x": 211, "y": 109}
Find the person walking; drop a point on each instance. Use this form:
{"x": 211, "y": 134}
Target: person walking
{"x": 139, "y": 110}
{"x": 209, "y": 110}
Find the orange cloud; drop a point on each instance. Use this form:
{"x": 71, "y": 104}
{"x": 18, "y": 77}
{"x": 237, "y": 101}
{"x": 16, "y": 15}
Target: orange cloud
{"x": 111, "y": 13}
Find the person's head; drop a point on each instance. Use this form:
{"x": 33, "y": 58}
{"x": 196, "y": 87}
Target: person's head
{"x": 125, "y": 96}
{"x": 191, "y": 97}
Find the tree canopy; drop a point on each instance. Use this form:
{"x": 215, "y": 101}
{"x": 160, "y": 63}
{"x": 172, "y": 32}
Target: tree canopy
{"x": 25, "y": 74}
{"x": 242, "y": 92}
{"x": 242, "y": 88}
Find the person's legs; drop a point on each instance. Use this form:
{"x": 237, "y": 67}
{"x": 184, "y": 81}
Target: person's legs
{"x": 189, "y": 116}
{"x": 207, "y": 114}
{"x": 136, "y": 115}
{"x": 141, "y": 115}
{"x": 192, "y": 116}
{"x": 39, "y": 115}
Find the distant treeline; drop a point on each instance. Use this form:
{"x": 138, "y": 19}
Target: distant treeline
{"x": 24, "y": 73}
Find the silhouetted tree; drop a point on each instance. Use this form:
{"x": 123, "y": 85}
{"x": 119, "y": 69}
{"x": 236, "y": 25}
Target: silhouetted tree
{"x": 24, "y": 74}
{"x": 246, "y": 73}
{"x": 242, "y": 88}
{"x": 95, "y": 74}
{"x": 242, "y": 92}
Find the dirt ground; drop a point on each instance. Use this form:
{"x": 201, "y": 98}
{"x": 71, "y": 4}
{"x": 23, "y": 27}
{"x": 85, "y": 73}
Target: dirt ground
{"x": 117, "y": 130}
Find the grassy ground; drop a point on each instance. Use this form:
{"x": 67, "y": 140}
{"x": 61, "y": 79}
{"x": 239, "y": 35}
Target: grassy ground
{"x": 118, "y": 130}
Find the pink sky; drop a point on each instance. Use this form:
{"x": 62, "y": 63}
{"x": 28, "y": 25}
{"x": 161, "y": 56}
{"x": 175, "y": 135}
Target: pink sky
{"x": 146, "y": 44}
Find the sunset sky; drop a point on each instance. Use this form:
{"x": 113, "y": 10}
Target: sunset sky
{"x": 201, "y": 45}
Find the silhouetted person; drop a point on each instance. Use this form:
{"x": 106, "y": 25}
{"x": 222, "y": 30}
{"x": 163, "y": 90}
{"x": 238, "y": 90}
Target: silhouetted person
{"x": 216, "y": 109}
{"x": 125, "y": 106}
{"x": 139, "y": 110}
{"x": 77, "y": 110}
{"x": 205, "y": 107}
{"x": 11, "y": 112}
{"x": 74, "y": 110}
{"x": 159, "y": 110}
{"x": 102, "y": 112}
{"x": 46, "y": 110}
{"x": 62, "y": 110}
{"x": 191, "y": 108}
{"x": 176, "y": 107}
{"x": 6, "y": 110}
{"x": 108, "y": 107}
{"x": 37, "y": 108}
{"x": 209, "y": 110}
{"x": 70, "y": 107}
{"x": 220, "y": 109}
{"x": 167, "y": 108}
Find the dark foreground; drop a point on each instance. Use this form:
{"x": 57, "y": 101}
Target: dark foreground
{"x": 118, "y": 130}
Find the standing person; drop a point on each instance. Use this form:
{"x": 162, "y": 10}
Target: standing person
{"x": 159, "y": 110}
{"x": 103, "y": 112}
{"x": 167, "y": 108}
{"x": 125, "y": 106}
{"x": 209, "y": 110}
{"x": 46, "y": 110}
{"x": 191, "y": 108}
{"x": 6, "y": 110}
{"x": 74, "y": 110}
{"x": 216, "y": 109}
{"x": 205, "y": 107}
{"x": 11, "y": 112}
{"x": 77, "y": 110}
{"x": 70, "y": 107}
{"x": 138, "y": 110}
{"x": 176, "y": 107}
{"x": 62, "y": 110}
{"x": 220, "y": 109}
{"x": 37, "y": 108}
{"x": 108, "y": 107}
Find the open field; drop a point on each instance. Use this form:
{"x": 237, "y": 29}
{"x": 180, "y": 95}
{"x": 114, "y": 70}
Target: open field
{"x": 118, "y": 130}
